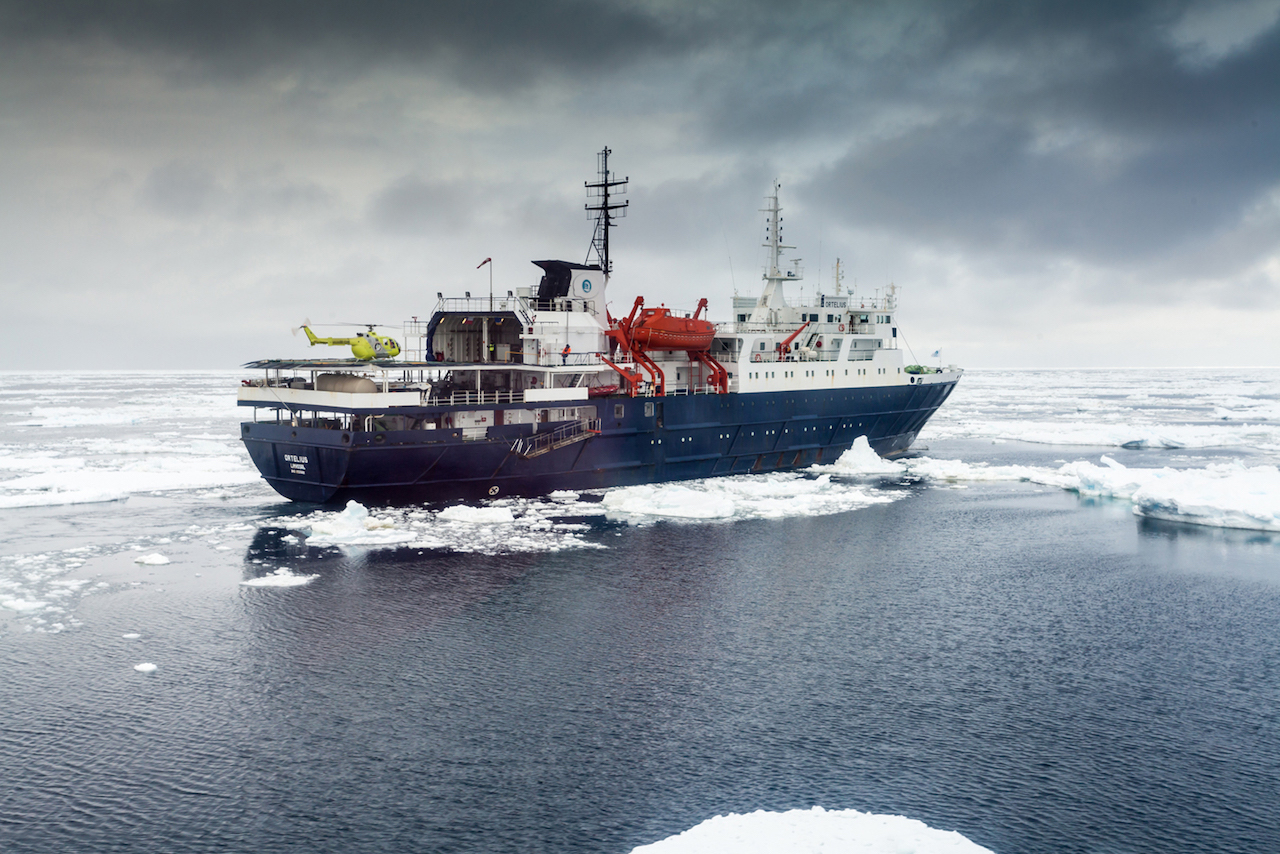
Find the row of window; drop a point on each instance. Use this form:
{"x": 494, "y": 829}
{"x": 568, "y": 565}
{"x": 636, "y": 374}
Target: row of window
{"x": 831, "y": 318}
{"x": 768, "y": 375}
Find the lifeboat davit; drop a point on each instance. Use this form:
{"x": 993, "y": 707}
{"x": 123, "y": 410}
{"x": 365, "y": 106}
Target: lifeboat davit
{"x": 659, "y": 329}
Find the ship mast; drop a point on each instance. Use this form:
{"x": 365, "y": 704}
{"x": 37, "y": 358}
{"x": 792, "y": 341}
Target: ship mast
{"x": 774, "y": 277}
{"x": 598, "y": 192}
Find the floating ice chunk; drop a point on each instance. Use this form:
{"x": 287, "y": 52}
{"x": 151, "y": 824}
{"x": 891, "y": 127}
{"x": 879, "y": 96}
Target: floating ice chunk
{"x": 812, "y": 831}
{"x": 953, "y": 470}
{"x": 354, "y": 527}
{"x": 674, "y": 501}
{"x": 22, "y": 606}
{"x": 477, "y": 515}
{"x": 280, "y": 578}
{"x": 131, "y": 636}
{"x": 154, "y": 559}
{"x": 145, "y": 667}
{"x": 860, "y": 459}
{"x": 1223, "y": 495}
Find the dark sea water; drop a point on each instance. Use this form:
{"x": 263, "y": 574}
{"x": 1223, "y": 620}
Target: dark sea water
{"x": 1040, "y": 671}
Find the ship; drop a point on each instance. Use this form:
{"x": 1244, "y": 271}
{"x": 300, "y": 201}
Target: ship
{"x": 544, "y": 389}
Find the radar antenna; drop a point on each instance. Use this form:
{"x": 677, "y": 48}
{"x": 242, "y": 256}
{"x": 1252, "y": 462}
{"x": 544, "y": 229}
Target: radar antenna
{"x": 598, "y": 202}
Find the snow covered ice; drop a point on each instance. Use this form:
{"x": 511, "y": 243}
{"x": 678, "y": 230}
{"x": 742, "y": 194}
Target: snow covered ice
{"x": 111, "y": 435}
{"x": 354, "y": 527}
{"x": 813, "y": 831}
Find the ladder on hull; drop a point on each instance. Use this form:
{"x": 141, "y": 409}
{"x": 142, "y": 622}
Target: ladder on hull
{"x": 543, "y": 443}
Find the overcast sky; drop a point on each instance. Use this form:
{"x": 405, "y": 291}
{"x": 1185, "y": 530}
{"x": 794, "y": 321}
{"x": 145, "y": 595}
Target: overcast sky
{"x": 1048, "y": 184}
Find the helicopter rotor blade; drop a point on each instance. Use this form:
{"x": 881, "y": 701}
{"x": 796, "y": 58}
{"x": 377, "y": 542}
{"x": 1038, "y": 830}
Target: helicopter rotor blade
{"x": 306, "y": 321}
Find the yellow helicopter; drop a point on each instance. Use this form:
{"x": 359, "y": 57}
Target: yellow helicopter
{"x": 365, "y": 346}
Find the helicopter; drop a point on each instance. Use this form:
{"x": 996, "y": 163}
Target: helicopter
{"x": 365, "y": 346}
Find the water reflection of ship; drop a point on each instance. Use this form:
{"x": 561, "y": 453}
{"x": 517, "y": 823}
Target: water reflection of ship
{"x": 376, "y": 594}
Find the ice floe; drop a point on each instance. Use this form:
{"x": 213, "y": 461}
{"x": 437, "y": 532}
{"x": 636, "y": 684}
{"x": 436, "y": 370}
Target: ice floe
{"x": 40, "y": 589}
{"x": 477, "y": 515}
{"x": 23, "y": 606}
{"x": 1221, "y": 494}
{"x": 145, "y": 667}
{"x": 282, "y": 577}
{"x": 501, "y": 526}
{"x": 560, "y": 521}
{"x": 118, "y": 434}
{"x": 812, "y": 831}
{"x": 1134, "y": 409}
{"x": 777, "y": 495}
{"x": 355, "y": 527}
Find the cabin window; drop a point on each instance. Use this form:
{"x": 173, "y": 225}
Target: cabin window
{"x": 831, "y": 318}
{"x": 742, "y": 318}
{"x": 648, "y": 410}
{"x": 618, "y": 410}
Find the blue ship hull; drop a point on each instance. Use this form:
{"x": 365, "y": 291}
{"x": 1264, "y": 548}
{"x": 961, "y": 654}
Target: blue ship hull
{"x": 684, "y": 437}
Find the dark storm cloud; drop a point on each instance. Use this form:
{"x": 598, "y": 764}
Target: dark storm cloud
{"x": 986, "y": 183}
{"x": 488, "y": 41}
{"x": 1090, "y": 135}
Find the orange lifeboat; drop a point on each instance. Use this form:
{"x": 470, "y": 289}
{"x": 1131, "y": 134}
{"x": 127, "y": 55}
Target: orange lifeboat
{"x": 659, "y": 329}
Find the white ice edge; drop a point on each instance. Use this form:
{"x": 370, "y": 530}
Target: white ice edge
{"x": 813, "y": 831}
{"x": 1222, "y": 494}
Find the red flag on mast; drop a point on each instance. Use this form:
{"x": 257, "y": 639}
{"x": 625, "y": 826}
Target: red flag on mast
{"x": 482, "y": 263}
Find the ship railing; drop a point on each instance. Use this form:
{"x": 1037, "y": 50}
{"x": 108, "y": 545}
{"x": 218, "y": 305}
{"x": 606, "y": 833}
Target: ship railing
{"x": 565, "y": 304}
{"x": 479, "y": 304}
{"x": 763, "y": 357}
{"x": 700, "y": 388}
{"x": 551, "y": 358}
{"x": 541, "y": 443}
{"x": 475, "y": 398}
